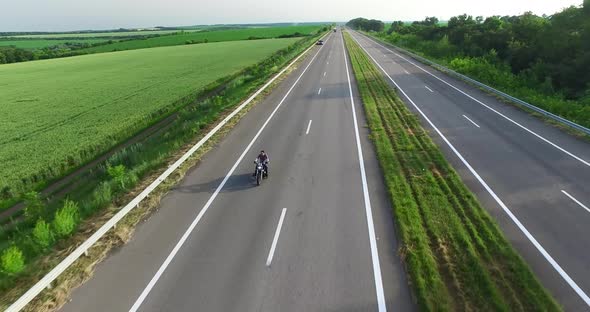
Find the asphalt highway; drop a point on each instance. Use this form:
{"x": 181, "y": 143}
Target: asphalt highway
{"x": 317, "y": 235}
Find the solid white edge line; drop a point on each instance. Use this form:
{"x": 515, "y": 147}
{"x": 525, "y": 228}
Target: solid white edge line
{"x": 319, "y": 91}
{"x": 308, "y": 127}
{"x": 23, "y": 300}
{"x": 186, "y": 234}
{"x": 382, "y": 307}
{"x": 471, "y": 121}
{"x": 514, "y": 219}
{"x": 276, "y": 238}
{"x": 428, "y": 89}
{"x": 489, "y": 107}
{"x": 575, "y": 200}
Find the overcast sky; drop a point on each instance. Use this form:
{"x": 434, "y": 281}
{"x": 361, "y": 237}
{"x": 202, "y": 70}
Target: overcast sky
{"x": 60, "y": 15}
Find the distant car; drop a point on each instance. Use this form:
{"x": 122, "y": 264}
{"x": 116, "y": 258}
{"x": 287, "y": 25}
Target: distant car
{"x": 320, "y": 42}
{"x": 334, "y": 29}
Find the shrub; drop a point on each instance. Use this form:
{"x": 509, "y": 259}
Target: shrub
{"x": 66, "y": 219}
{"x": 6, "y": 192}
{"x": 42, "y": 234}
{"x": 102, "y": 194}
{"x": 34, "y": 207}
{"x": 12, "y": 261}
{"x": 117, "y": 173}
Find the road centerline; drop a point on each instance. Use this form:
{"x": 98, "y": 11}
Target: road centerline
{"x": 427, "y": 88}
{"x": 276, "y": 238}
{"x": 308, "y": 126}
{"x": 575, "y": 200}
{"x": 319, "y": 91}
{"x": 471, "y": 121}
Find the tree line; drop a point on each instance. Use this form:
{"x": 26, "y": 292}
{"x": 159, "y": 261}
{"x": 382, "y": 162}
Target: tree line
{"x": 366, "y": 24}
{"x": 552, "y": 51}
{"x": 544, "y": 60}
{"x": 12, "y": 54}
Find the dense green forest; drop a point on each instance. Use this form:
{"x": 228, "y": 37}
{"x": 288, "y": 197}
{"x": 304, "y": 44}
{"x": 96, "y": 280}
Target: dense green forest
{"x": 366, "y": 24}
{"x": 544, "y": 60}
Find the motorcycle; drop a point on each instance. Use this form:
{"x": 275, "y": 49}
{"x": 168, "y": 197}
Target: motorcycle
{"x": 260, "y": 172}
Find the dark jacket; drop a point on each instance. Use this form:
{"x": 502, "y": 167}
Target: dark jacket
{"x": 263, "y": 158}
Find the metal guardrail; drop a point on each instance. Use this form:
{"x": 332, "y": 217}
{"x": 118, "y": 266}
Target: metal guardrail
{"x": 444, "y": 69}
{"x": 46, "y": 281}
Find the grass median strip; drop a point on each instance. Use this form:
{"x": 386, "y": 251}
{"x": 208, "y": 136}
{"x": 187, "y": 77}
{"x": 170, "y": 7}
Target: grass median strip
{"x": 456, "y": 256}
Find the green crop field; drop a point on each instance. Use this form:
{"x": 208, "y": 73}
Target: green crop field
{"x": 60, "y": 113}
{"x": 209, "y": 36}
{"x": 102, "y": 34}
{"x": 43, "y": 43}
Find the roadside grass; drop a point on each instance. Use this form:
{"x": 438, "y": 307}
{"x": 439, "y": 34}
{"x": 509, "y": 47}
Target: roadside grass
{"x": 101, "y": 192}
{"x": 206, "y": 36}
{"x": 456, "y": 256}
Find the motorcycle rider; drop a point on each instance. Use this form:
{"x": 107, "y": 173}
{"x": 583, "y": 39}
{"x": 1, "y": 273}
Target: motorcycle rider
{"x": 264, "y": 160}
